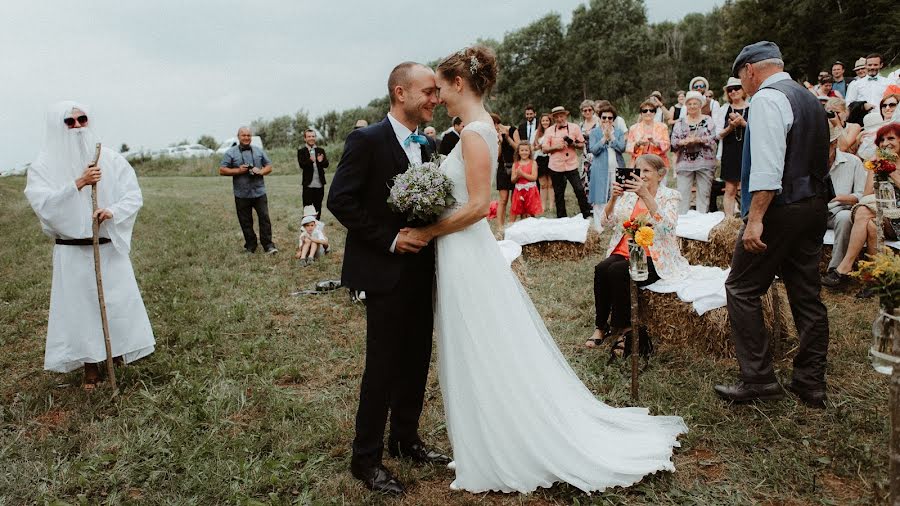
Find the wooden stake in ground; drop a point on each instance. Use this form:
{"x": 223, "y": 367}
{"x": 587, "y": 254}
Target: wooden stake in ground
{"x": 895, "y": 411}
{"x": 110, "y": 369}
{"x": 635, "y": 337}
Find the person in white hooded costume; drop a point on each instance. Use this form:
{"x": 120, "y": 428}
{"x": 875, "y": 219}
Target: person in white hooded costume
{"x": 59, "y": 191}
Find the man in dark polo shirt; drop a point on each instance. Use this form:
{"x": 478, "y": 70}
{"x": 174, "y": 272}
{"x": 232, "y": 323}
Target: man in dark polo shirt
{"x": 783, "y": 200}
{"x": 247, "y": 165}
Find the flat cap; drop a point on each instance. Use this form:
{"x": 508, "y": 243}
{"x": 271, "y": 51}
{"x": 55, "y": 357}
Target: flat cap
{"x": 758, "y": 51}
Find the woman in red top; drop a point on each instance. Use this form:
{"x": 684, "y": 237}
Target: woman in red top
{"x": 526, "y": 198}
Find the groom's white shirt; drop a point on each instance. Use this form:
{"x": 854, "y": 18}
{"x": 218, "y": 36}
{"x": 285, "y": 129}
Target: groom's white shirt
{"x": 413, "y": 151}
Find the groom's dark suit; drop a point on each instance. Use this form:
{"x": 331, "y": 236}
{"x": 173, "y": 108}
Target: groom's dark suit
{"x": 398, "y": 290}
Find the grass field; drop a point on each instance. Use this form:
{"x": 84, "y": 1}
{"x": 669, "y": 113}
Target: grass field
{"x": 251, "y": 394}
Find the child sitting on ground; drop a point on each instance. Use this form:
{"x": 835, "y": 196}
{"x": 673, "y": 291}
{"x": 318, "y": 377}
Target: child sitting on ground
{"x": 312, "y": 242}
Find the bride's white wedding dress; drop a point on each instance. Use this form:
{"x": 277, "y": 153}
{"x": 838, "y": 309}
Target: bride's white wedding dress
{"x": 517, "y": 415}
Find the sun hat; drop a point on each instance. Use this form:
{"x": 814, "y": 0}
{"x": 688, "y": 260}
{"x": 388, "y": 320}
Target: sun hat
{"x": 860, "y": 64}
{"x": 835, "y": 131}
{"x": 307, "y": 219}
{"x": 559, "y": 110}
{"x": 732, "y": 82}
{"x": 691, "y": 95}
{"x": 698, "y": 78}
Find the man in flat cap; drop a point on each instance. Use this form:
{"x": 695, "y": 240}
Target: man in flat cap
{"x": 783, "y": 202}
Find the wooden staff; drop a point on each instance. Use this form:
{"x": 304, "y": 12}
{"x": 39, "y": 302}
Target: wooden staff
{"x": 635, "y": 350}
{"x": 110, "y": 369}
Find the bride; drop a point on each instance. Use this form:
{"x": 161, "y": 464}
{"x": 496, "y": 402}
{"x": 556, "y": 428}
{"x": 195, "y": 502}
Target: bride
{"x": 518, "y": 417}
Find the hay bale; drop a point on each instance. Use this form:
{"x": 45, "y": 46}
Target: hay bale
{"x": 674, "y": 323}
{"x": 520, "y": 269}
{"x": 720, "y": 248}
{"x": 565, "y": 250}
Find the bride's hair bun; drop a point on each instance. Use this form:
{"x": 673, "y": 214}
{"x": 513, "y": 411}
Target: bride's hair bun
{"x": 477, "y": 65}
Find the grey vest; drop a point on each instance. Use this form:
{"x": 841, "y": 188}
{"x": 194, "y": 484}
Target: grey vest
{"x": 806, "y": 159}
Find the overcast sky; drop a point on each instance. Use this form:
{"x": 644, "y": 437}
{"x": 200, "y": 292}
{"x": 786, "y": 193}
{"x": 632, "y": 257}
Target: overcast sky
{"x": 161, "y": 71}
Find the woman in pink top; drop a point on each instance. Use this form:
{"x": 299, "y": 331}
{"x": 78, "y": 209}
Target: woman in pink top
{"x": 648, "y": 136}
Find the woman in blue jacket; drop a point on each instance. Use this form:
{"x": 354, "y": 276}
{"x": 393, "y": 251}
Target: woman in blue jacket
{"x": 607, "y": 143}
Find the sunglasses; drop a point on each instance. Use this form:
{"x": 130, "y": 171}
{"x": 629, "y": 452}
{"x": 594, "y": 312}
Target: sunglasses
{"x": 587, "y": 110}
{"x": 607, "y": 117}
{"x": 648, "y": 110}
{"x": 734, "y": 88}
{"x": 888, "y": 104}
{"x": 70, "y": 122}
{"x": 698, "y": 87}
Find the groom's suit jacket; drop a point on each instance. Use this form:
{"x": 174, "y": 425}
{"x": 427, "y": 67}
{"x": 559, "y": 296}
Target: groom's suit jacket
{"x": 358, "y": 199}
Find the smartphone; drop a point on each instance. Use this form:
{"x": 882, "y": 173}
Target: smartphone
{"x": 624, "y": 174}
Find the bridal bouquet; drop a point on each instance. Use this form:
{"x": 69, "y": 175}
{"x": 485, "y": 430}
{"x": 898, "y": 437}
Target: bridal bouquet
{"x": 641, "y": 230}
{"x": 422, "y": 193}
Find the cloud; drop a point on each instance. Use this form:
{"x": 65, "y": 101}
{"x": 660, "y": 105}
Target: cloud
{"x": 157, "y": 72}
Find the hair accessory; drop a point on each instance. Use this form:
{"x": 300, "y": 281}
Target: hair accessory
{"x": 473, "y": 64}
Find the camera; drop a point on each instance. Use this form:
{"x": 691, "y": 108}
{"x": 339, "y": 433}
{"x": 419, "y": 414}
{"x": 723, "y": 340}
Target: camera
{"x": 568, "y": 140}
{"x": 250, "y": 170}
{"x": 830, "y": 114}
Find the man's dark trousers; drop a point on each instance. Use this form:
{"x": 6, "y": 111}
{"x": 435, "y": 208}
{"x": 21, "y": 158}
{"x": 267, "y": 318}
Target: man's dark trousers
{"x": 398, "y": 353}
{"x": 313, "y": 197}
{"x": 245, "y": 209}
{"x": 793, "y": 236}
{"x": 559, "y": 192}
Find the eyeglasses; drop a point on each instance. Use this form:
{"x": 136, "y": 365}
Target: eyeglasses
{"x": 70, "y": 122}
{"x": 734, "y": 88}
{"x": 607, "y": 117}
{"x": 888, "y": 104}
{"x": 587, "y": 110}
{"x": 648, "y": 110}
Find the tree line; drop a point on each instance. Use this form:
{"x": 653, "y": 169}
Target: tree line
{"x": 610, "y": 51}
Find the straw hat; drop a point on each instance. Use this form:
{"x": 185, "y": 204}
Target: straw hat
{"x": 835, "y": 131}
{"x": 559, "y": 110}
{"x": 309, "y": 210}
{"x": 860, "y": 64}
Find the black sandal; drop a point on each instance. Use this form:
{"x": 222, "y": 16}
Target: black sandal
{"x": 594, "y": 342}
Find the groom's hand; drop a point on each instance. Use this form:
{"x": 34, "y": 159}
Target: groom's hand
{"x": 406, "y": 243}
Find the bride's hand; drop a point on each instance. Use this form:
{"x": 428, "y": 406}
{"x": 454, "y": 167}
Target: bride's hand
{"x": 419, "y": 234}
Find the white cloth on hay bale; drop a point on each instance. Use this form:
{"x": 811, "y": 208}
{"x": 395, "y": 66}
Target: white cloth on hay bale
{"x": 697, "y": 226}
{"x": 704, "y": 287}
{"x": 532, "y": 230}
{"x": 510, "y": 249}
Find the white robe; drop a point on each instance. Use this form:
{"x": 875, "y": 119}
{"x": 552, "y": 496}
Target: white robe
{"x": 74, "y": 331}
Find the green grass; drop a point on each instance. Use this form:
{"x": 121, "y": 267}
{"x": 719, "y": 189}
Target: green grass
{"x": 251, "y": 394}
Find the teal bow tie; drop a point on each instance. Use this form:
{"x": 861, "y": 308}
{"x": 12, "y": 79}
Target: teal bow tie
{"x": 873, "y": 78}
{"x": 418, "y": 139}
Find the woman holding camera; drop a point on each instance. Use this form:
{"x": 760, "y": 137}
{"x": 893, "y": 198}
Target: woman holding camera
{"x": 694, "y": 144}
{"x": 648, "y": 136}
{"x": 644, "y": 197}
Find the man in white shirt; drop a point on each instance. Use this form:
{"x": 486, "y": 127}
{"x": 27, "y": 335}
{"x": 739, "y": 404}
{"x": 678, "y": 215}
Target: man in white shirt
{"x": 783, "y": 201}
{"x": 528, "y": 127}
{"x": 870, "y": 88}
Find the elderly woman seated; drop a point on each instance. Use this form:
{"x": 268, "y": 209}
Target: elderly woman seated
{"x": 638, "y": 197}
{"x": 863, "y": 234}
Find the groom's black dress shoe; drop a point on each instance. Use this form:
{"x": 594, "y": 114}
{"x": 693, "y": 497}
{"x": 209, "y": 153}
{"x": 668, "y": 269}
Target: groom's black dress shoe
{"x": 812, "y": 398}
{"x": 417, "y": 452}
{"x": 747, "y": 392}
{"x": 378, "y": 479}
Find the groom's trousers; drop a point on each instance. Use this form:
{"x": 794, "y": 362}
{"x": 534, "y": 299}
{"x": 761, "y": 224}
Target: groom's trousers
{"x": 398, "y": 352}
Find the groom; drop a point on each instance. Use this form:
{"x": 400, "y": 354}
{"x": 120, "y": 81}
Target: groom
{"x": 396, "y": 272}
